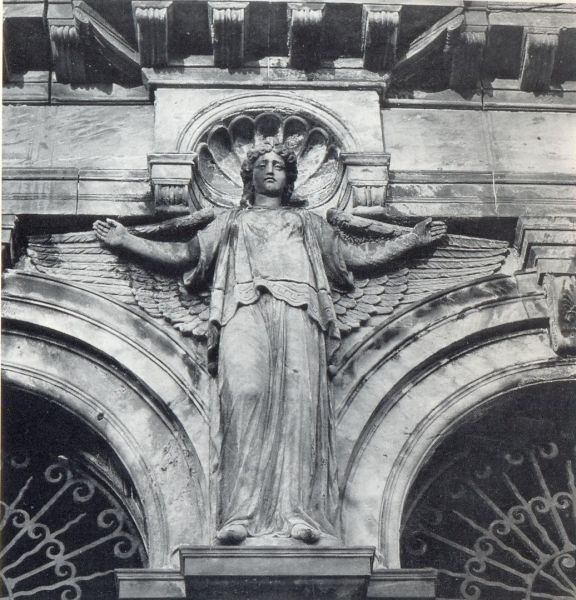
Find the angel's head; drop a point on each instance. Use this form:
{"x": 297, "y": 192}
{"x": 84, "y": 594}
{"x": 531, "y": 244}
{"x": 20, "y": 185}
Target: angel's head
{"x": 270, "y": 170}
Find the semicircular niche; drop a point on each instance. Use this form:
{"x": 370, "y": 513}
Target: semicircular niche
{"x": 222, "y": 149}
{"x": 494, "y": 509}
{"x": 69, "y": 513}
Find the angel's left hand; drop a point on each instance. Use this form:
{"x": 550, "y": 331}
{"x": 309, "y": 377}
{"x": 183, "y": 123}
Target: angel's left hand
{"x": 429, "y": 231}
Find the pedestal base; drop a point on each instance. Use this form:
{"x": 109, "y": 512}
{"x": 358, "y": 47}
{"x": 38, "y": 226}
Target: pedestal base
{"x": 275, "y": 573}
{"x": 262, "y": 573}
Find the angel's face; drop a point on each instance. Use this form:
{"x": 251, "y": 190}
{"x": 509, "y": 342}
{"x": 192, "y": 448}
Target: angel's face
{"x": 269, "y": 175}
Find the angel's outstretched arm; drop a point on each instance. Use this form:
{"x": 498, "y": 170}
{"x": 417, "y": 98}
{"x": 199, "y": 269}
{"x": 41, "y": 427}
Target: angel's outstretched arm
{"x": 375, "y": 254}
{"x": 170, "y": 254}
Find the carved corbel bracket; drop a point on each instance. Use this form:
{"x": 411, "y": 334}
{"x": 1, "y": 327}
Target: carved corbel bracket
{"x": 465, "y": 44}
{"x": 228, "y": 26}
{"x": 561, "y": 300}
{"x": 171, "y": 177}
{"x": 549, "y": 246}
{"x": 365, "y": 178}
{"x": 538, "y": 57}
{"x": 465, "y": 69}
{"x": 10, "y": 240}
{"x": 305, "y": 34}
{"x": 66, "y": 45}
{"x": 151, "y": 20}
{"x": 380, "y": 25}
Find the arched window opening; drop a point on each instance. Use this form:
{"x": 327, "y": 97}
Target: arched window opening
{"x": 69, "y": 514}
{"x": 494, "y": 510}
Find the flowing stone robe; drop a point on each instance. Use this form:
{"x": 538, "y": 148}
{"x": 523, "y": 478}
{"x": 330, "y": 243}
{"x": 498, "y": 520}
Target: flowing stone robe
{"x": 273, "y": 328}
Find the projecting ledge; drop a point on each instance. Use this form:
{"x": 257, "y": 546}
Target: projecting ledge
{"x": 287, "y": 572}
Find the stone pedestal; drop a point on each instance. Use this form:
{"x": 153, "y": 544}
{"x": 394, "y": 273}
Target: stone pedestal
{"x": 259, "y": 573}
{"x": 284, "y": 572}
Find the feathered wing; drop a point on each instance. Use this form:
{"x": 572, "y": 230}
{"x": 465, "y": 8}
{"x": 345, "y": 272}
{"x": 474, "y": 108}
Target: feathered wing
{"x": 456, "y": 260}
{"x": 81, "y": 259}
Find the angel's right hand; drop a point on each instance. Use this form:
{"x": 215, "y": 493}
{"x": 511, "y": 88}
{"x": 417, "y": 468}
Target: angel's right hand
{"x": 110, "y": 232}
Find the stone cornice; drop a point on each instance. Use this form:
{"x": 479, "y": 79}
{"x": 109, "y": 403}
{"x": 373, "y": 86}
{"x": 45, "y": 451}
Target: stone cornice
{"x": 451, "y": 53}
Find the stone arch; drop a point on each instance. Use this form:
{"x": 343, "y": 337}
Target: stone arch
{"x": 129, "y": 381}
{"x": 407, "y": 386}
{"x": 264, "y": 100}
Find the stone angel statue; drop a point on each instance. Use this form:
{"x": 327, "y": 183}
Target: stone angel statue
{"x": 272, "y": 287}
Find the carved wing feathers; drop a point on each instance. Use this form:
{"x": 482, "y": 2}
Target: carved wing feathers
{"x": 377, "y": 296}
{"x": 454, "y": 261}
{"x": 81, "y": 259}
{"x": 162, "y": 296}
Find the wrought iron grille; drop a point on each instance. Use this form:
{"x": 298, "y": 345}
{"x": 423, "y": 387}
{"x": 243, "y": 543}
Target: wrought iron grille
{"x": 64, "y": 528}
{"x": 495, "y": 509}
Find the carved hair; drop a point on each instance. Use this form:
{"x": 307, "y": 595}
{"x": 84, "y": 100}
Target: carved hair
{"x": 290, "y": 164}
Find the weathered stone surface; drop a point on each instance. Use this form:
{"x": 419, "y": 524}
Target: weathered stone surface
{"x": 26, "y": 88}
{"x": 449, "y": 199}
{"x": 149, "y": 585}
{"x": 31, "y": 193}
{"x": 534, "y": 199}
{"x": 419, "y": 139}
{"x": 533, "y": 142}
{"x": 183, "y": 115}
{"x": 75, "y": 136}
{"x": 402, "y": 583}
{"x": 102, "y": 93}
{"x": 114, "y": 192}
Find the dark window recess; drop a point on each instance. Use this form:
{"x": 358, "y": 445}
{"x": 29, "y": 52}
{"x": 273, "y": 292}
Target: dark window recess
{"x": 494, "y": 510}
{"x": 69, "y": 516}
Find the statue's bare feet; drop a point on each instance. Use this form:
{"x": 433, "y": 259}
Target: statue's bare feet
{"x": 304, "y": 532}
{"x": 232, "y": 534}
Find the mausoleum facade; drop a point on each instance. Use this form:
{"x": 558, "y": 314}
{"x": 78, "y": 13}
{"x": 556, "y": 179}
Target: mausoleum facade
{"x": 453, "y": 382}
